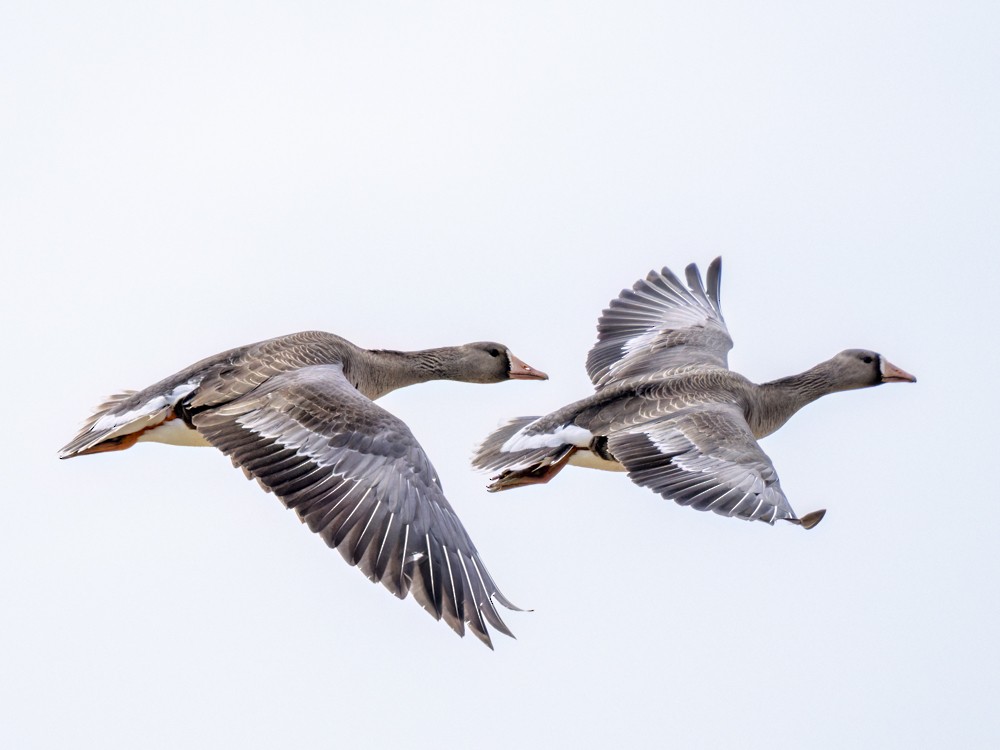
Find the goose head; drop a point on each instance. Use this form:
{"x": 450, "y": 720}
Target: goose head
{"x": 861, "y": 368}
{"x": 490, "y": 362}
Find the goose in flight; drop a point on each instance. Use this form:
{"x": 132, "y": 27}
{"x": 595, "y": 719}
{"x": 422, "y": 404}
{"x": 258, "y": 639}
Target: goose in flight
{"x": 668, "y": 410}
{"x": 297, "y": 414}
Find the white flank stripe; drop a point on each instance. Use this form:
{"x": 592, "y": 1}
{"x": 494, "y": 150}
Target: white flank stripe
{"x": 569, "y": 434}
{"x": 155, "y": 404}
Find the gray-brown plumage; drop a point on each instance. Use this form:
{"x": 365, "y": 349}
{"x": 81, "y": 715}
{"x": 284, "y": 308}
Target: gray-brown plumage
{"x": 669, "y": 411}
{"x": 296, "y": 414}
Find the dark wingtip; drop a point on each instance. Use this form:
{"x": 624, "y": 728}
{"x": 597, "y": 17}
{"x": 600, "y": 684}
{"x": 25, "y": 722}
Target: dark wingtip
{"x": 715, "y": 284}
{"x": 694, "y": 279}
{"x": 482, "y": 634}
{"x": 501, "y": 599}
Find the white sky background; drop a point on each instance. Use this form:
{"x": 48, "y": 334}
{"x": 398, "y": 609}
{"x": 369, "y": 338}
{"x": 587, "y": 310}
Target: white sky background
{"x": 179, "y": 178}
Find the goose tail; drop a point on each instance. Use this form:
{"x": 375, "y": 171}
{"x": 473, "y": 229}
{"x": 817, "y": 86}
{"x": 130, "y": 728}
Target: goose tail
{"x": 514, "y": 466}
{"x": 130, "y": 416}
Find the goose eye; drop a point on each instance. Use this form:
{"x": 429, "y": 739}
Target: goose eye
{"x": 493, "y": 352}
{"x": 867, "y": 360}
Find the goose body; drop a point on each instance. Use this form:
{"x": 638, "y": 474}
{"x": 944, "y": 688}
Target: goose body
{"x": 296, "y": 413}
{"x": 668, "y": 410}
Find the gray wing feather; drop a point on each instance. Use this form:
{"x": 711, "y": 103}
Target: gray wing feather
{"x": 659, "y": 325}
{"x": 356, "y": 476}
{"x": 707, "y": 458}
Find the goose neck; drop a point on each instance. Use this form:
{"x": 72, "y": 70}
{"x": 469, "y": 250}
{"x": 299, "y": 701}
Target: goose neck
{"x": 388, "y": 369}
{"x": 778, "y": 400}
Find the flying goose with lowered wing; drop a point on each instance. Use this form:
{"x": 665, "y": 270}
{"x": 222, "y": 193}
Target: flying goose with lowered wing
{"x": 296, "y": 413}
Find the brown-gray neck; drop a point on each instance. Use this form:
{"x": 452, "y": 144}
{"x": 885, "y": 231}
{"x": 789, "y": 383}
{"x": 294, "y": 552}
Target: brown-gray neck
{"x": 381, "y": 371}
{"x": 774, "y": 403}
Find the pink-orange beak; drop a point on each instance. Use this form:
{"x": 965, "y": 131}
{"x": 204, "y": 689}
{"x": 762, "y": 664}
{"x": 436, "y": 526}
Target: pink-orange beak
{"x": 892, "y": 374}
{"x": 521, "y": 371}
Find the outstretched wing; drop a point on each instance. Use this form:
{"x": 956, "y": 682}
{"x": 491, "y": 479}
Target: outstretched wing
{"x": 660, "y": 325}
{"x": 707, "y": 458}
{"x": 356, "y": 476}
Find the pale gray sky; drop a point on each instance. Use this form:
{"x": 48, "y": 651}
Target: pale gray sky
{"x": 180, "y": 178}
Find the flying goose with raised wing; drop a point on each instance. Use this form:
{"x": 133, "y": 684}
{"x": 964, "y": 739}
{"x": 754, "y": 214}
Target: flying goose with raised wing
{"x": 668, "y": 410}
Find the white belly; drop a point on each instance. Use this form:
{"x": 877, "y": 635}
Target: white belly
{"x": 590, "y": 460}
{"x": 174, "y": 432}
